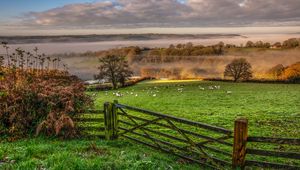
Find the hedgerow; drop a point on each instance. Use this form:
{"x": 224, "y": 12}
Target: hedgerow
{"x": 35, "y": 100}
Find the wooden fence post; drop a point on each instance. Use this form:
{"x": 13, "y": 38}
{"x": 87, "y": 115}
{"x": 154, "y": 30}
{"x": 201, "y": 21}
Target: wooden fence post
{"x": 115, "y": 119}
{"x": 240, "y": 141}
{"x": 110, "y": 120}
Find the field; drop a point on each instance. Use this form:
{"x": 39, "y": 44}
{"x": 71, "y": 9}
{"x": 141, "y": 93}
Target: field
{"x": 43, "y": 153}
{"x": 273, "y": 110}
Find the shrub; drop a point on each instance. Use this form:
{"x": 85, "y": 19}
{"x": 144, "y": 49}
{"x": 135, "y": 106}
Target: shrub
{"x": 40, "y": 102}
{"x": 292, "y": 73}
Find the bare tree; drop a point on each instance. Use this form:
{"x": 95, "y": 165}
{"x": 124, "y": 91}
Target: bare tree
{"x": 1, "y": 62}
{"x": 238, "y": 69}
{"x": 114, "y": 68}
{"x": 5, "y": 46}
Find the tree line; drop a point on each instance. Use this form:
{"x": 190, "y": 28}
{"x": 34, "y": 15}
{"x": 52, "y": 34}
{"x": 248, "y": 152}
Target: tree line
{"x": 115, "y": 69}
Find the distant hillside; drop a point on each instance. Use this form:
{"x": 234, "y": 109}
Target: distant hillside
{"x": 110, "y": 37}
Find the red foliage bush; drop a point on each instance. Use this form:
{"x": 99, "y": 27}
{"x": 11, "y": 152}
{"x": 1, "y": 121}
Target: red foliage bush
{"x": 40, "y": 101}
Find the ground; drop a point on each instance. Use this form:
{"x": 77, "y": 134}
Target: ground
{"x": 81, "y": 154}
{"x": 273, "y": 110}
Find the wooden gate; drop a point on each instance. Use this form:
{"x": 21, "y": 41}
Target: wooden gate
{"x": 211, "y": 146}
{"x": 193, "y": 141}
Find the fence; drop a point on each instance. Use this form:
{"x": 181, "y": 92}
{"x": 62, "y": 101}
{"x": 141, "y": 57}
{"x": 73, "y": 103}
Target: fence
{"x": 210, "y": 146}
{"x": 91, "y": 123}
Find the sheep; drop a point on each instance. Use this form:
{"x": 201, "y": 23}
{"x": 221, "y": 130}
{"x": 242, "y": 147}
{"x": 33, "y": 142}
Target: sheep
{"x": 229, "y": 92}
{"x": 210, "y": 87}
{"x": 119, "y": 94}
{"x": 180, "y": 90}
{"x": 217, "y": 87}
{"x": 201, "y": 88}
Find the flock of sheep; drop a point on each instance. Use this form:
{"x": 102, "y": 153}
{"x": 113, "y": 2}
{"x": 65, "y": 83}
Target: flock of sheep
{"x": 155, "y": 91}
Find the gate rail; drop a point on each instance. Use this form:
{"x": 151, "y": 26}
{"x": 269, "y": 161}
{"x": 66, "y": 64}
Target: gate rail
{"x": 88, "y": 118}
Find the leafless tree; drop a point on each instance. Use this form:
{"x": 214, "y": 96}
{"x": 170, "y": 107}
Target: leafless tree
{"x": 238, "y": 69}
{"x": 114, "y": 68}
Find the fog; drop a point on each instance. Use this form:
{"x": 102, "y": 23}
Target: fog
{"x": 53, "y": 48}
{"x": 86, "y": 67}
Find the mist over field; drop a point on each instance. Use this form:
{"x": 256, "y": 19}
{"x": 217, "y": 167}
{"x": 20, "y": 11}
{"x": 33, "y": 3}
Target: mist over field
{"x": 86, "y": 67}
{"x": 213, "y": 66}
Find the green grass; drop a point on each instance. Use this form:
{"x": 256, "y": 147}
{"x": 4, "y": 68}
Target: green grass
{"x": 81, "y": 154}
{"x": 272, "y": 109}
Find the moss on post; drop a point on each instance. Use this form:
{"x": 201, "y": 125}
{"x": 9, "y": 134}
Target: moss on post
{"x": 111, "y": 120}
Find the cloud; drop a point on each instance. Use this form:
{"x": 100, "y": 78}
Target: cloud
{"x": 145, "y": 13}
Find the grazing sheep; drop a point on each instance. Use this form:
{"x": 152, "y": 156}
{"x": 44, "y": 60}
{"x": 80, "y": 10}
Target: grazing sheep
{"x": 229, "y": 92}
{"x": 201, "y": 88}
{"x": 118, "y": 94}
{"x": 180, "y": 90}
{"x": 154, "y": 95}
{"x": 217, "y": 87}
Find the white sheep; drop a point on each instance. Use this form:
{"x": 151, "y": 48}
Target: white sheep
{"x": 229, "y": 92}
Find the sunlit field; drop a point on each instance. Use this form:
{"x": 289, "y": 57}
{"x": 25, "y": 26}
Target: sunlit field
{"x": 272, "y": 109}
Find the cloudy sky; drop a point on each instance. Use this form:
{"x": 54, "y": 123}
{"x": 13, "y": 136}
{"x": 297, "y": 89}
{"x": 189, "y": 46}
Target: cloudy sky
{"x": 125, "y": 16}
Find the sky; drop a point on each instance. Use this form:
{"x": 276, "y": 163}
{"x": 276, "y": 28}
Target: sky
{"x": 40, "y": 17}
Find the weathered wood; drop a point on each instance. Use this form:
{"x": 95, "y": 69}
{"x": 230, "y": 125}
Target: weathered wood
{"x": 88, "y": 119}
{"x": 219, "y": 138}
{"x": 137, "y": 125}
{"x": 221, "y": 162}
{"x": 111, "y": 120}
{"x": 240, "y": 141}
{"x": 170, "y": 151}
{"x": 183, "y": 130}
{"x": 140, "y": 126}
{"x": 180, "y": 120}
{"x": 271, "y": 165}
{"x": 157, "y": 132}
{"x": 291, "y": 155}
{"x": 91, "y": 128}
{"x": 290, "y": 141}
{"x": 180, "y": 140}
{"x": 115, "y": 119}
{"x": 92, "y": 112}
{"x": 95, "y": 136}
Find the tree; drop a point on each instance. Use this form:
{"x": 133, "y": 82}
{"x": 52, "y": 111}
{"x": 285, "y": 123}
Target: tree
{"x": 238, "y": 69}
{"x": 276, "y": 71}
{"x": 1, "y": 62}
{"x": 114, "y": 68}
{"x": 249, "y": 44}
{"x": 291, "y": 43}
{"x": 277, "y": 45}
{"x": 259, "y": 44}
{"x": 292, "y": 73}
